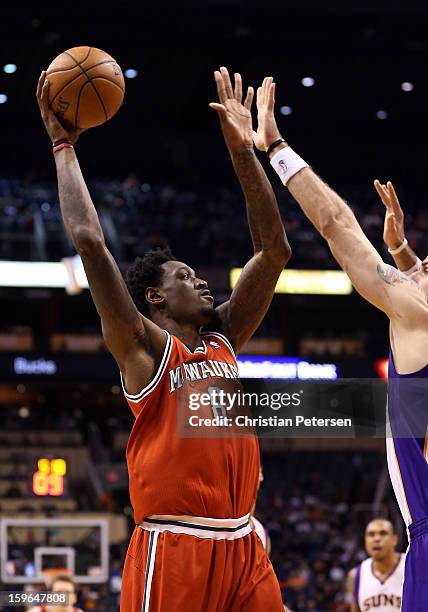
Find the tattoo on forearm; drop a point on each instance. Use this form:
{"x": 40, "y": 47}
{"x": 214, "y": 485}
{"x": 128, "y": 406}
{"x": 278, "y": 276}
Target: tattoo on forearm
{"x": 262, "y": 208}
{"x": 391, "y": 275}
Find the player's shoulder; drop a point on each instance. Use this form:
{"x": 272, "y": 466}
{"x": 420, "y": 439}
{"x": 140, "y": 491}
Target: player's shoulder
{"x": 217, "y": 340}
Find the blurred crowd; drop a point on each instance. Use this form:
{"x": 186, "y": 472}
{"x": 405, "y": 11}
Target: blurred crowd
{"x": 205, "y": 226}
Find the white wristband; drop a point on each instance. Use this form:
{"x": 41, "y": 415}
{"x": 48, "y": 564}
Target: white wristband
{"x": 398, "y": 249}
{"x": 287, "y": 163}
{"x": 414, "y": 268}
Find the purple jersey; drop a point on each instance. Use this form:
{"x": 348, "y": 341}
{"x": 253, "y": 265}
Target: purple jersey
{"x": 407, "y": 450}
{"x": 407, "y": 441}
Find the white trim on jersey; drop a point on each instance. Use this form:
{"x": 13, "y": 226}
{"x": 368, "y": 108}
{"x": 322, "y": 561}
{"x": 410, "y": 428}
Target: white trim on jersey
{"x": 201, "y": 527}
{"x": 199, "y": 349}
{"x": 150, "y": 564}
{"x": 225, "y": 340}
{"x": 395, "y": 475}
{"x": 155, "y": 380}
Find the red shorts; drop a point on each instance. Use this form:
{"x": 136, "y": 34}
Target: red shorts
{"x": 200, "y": 566}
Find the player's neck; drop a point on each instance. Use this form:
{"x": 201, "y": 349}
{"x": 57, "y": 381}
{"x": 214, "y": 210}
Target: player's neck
{"x": 385, "y": 566}
{"x": 187, "y": 333}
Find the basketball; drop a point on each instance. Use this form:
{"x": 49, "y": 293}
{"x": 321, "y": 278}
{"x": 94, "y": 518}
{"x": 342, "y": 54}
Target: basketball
{"x": 86, "y": 87}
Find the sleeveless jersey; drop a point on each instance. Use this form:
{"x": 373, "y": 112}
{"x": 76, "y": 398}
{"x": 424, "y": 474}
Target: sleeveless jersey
{"x": 175, "y": 474}
{"x": 407, "y": 443}
{"x": 372, "y": 594}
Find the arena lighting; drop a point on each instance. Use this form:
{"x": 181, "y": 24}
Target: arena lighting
{"x": 308, "y": 82}
{"x": 3, "y": 98}
{"x": 381, "y": 114}
{"x": 285, "y": 110}
{"x": 290, "y": 368}
{"x": 67, "y": 274}
{"x": 131, "y": 73}
{"x": 9, "y": 68}
{"x": 310, "y": 282}
{"x": 381, "y": 367}
{"x": 407, "y": 86}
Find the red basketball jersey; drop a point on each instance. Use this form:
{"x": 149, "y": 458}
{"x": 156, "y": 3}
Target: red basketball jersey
{"x": 170, "y": 474}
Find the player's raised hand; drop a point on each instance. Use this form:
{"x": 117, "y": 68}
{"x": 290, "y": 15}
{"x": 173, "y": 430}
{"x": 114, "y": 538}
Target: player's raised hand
{"x": 52, "y": 124}
{"x": 393, "y": 229}
{"x": 235, "y": 116}
{"x": 267, "y": 130}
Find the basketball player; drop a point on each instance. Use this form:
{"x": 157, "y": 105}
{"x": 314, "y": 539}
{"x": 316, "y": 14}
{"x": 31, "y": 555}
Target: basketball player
{"x": 377, "y": 582}
{"x": 61, "y": 584}
{"x": 404, "y": 300}
{"x": 193, "y": 548}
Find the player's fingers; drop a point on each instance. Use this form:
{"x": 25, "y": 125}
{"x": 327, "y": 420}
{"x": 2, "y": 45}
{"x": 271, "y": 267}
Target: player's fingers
{"x": 44, "y": 96}
{"x": 267, "y": 84}
{"x": 40, "y": 83}
{"x": 393, "y": 198}
{"x": 238, "y": 87}
{"x": 221, "y": 110}
{"x": 271, "y": 98}
{"x": 249, "y": 99}
{"x": 220, "y": 87}
{"x": 383, "y": 194}
{"x": 263, "y": 95}
{"x": 259, "y": 98}
{"x": 226, "y": 81}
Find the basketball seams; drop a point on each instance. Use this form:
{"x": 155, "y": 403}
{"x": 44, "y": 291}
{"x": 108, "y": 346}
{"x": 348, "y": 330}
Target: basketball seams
{"x": 103, "y": 78}
{"x": 77, "y": 61}
{"x": 84, "y": 71}
{"x": 98, "y": 96}
{"x": 78, "y": 103}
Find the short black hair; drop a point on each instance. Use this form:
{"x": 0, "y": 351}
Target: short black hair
{"x": 146, "y": 271}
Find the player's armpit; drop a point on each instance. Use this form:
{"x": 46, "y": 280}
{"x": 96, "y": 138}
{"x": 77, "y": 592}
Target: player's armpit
{"x": 251, "y": 297}
{"x": 135, "y": 342}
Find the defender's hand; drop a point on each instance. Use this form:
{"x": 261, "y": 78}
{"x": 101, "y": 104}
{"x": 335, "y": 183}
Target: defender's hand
{"x": 267, "y": 130}
{"x": 393, "y": 230}
{"x": 52, "y": 124}
{"x": 235, "y": 117}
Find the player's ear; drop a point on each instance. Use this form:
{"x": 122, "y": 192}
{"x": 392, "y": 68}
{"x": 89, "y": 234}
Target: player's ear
{"x": 153, "y": 296}
{"x": 395, "y": 539}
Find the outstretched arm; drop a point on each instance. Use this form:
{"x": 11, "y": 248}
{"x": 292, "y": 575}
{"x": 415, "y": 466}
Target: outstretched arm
{"x": 403, "y": 255}
{"x": 253, "y": 293}
{"x": 135, "y": 342}
{"x": 332, "y": 217}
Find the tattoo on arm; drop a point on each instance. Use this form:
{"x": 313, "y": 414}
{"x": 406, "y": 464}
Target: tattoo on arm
{"x": 392, "y": 276}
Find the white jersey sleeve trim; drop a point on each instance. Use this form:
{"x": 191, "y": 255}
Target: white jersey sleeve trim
{"x": 155, "y": 380}
{"x": 225, "y": 340}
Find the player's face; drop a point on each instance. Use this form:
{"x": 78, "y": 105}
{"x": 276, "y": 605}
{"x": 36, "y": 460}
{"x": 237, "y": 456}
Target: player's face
{"x": 65, "y": 587}
{"x": 187, "y": 296}
{"x": 380, "y": 539}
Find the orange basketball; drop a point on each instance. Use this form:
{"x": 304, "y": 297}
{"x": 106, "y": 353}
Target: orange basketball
{"x": 86, "y": 87}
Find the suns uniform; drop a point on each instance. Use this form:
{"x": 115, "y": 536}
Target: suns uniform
{"x": 193, "y": 548}
{"x": 407, "y": 451}
{"x": 373, "y": 594}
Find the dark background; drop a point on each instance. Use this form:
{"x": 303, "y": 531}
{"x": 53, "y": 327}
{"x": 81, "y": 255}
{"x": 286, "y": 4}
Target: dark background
{"x": 358, "y": 56}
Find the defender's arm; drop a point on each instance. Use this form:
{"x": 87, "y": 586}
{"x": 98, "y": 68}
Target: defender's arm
{"x": 394, "y": 237}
